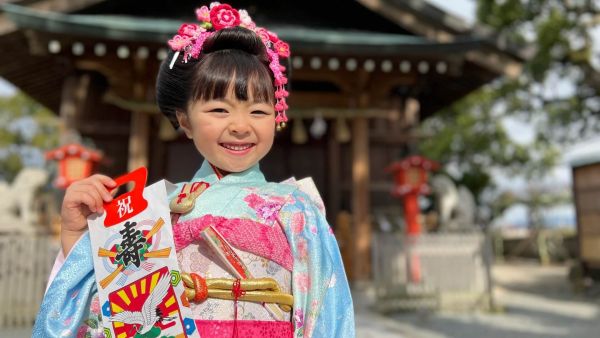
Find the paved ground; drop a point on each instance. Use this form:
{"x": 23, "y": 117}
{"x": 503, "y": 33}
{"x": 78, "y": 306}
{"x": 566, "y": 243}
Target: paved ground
{"x": 535, "y": 302}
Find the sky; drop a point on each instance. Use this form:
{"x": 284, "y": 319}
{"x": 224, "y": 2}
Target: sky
{"x": 6, "y": 89}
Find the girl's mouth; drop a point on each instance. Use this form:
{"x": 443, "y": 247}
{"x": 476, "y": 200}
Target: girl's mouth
{"x": 236, "y": 148}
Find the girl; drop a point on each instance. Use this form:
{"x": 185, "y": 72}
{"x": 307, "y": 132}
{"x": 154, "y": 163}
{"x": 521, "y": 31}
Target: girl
{"x": 224, "y": 86}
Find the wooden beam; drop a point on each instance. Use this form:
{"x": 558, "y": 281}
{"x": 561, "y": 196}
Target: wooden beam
{"x": 499, "y": 63}
{"x": 7, "y": 26}
{"x": 334, "y": 113}
{"x": 300, "y": 99}
{"x": 408, "y": 20}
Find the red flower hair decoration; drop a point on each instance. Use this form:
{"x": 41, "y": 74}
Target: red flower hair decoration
{"x": 190, "y": 38}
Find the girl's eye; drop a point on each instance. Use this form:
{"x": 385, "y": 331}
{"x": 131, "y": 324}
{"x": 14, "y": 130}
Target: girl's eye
{"x": 259, "y": 112}
{"x": 218, "y": 110}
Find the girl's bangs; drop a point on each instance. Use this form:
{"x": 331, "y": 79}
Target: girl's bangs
{"x": 218, "y": 73}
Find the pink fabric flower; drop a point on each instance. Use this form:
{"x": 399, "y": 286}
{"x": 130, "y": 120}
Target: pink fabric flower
{"x": 267, "y": 210}
{"x": 298, "y": 222}
{"x": 190, "y": 30}
{"x": 282, "y": 48}
{"x": 272, "y": 36}
{"x": 203, "y": 14}
{"x": 303, "y": 282}
{"x": 302, "y": 249}
{"x": 246, "y": 19}
{"x": 223, "y": 16}
{"x": 95, "y": 306}
{"x": 263, "y": 34}
{"x": 299, "y": 318}
{"x": 178, "y": 42}
{"x": 82, "y": 331}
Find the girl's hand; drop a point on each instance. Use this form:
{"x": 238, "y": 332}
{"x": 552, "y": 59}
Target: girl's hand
{"x": 82, "y": 198}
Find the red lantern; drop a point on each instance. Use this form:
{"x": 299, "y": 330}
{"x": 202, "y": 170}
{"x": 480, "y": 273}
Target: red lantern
{"x": 411, "y": 175}
{"x": 74, "y": 163}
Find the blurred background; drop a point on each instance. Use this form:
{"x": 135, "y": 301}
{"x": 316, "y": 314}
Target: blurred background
{"x": 455, "y": 144}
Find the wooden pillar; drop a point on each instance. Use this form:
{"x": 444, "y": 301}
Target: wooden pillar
{"x": 361, "y": 199}
{"x": 73, "y": 97}
{"x": 140, "y": 121}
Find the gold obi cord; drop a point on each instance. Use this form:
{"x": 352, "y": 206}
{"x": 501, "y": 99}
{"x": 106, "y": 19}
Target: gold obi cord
{"x": 258, "y": 290}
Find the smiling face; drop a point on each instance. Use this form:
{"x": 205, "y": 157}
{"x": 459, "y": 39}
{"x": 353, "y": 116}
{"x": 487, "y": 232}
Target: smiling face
{"x": 230, "y": 133}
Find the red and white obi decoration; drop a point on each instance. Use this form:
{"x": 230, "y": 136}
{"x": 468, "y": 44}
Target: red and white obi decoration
{"x": 75, "y": 162}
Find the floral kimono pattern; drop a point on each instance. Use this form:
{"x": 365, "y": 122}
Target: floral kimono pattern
{"x": 277, "y": 229}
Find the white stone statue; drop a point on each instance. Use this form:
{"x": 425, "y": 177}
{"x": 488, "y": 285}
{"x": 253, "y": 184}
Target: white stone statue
{"x": 456, "y": 207}
{"x": 17, "y": 201}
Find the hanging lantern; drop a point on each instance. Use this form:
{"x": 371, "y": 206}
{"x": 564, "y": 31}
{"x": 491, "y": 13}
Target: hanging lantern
{"x": 319, "y": 127}
{"x": 299, "y": 135}
{"x": 342, "y": 132}
{"x": 75, "y": 162}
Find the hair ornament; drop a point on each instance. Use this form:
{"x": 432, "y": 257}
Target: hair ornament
{"x": 191, "y": 36}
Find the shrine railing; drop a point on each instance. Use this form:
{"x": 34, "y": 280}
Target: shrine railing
{"x": 25, "y": 264}
{"x": 431, "y": 271}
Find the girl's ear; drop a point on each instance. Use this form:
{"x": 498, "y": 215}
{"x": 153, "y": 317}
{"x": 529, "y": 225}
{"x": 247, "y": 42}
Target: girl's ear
{"x": 184, "y": 123}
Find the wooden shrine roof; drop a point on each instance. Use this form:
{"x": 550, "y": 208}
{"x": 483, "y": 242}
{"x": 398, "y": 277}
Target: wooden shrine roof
{"x": 367, "y": 29}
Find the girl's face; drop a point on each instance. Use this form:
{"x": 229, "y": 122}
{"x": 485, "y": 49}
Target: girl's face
{"x": 232, "y": 135}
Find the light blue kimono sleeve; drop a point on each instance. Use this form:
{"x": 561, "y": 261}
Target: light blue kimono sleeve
{"x": 67, "y": 300}
{"x": 322, "y": 300}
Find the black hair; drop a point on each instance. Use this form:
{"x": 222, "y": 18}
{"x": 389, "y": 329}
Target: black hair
{"x": 231, "y": 56}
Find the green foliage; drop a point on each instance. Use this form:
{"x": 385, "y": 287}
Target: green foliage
{"x": 557, "y": 36}
{"x": 25, "y": 125}
{"x": 557, "y": 94}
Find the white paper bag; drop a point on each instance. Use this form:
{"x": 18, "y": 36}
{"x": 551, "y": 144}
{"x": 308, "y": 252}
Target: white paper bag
{"x": 137, "y": 273}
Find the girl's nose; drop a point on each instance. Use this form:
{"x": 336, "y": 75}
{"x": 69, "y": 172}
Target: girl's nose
{"x": 239, "y": 126}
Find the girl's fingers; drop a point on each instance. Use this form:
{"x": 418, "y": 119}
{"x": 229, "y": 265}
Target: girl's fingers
{"x": 105, "y": 180}
{"x": 113, "y": 192}
{"x": 87, "y": 199}
{"x": 93, "y": 192}
{"x": 101, "y": 189}
{"x": 90, "y": 190}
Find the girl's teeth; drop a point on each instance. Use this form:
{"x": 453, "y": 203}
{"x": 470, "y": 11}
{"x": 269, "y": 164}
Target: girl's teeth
{"x": 237, "y": 148}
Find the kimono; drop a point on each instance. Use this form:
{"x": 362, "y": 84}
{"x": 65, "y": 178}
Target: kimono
{"x": 277, "y": 229}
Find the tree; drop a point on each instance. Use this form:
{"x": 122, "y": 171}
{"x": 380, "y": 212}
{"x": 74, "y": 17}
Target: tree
{"x": 557, "y": 94}
{"x": 558, "y": 91}
{"x": 26, "y": 130}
